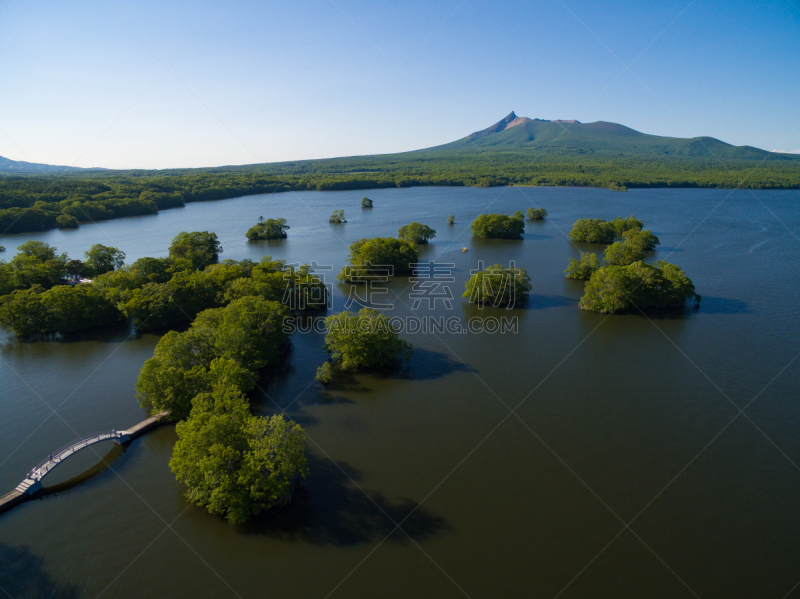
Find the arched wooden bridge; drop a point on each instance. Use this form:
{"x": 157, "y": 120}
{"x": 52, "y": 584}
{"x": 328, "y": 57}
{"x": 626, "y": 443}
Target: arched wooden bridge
{"x": 33, "y": 481}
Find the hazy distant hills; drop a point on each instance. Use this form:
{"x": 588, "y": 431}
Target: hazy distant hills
{"x": 601, "y": 138}
{"x": 540, "y": 140}
{"x": 20, "y": 167}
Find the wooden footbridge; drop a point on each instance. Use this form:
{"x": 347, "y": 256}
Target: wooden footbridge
{"x": 33, "y": 481}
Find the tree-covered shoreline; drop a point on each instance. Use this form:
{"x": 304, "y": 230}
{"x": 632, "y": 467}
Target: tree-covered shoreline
{"x": 36, "y": 202}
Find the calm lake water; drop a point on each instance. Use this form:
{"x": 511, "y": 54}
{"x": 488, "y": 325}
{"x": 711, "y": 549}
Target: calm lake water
{"x": 625, "y": 470}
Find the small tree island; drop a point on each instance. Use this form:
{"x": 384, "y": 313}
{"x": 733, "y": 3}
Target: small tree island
{"x": 416, "y": 233}
{"x": 536, "y": 214}
{"x": 596, "y": 230}
{"x": 363, "y": 340}
{"x": 337, "y": 217}
{"x": 498, "y": 286}
{"x": 451, "y": 220}
{"x": 613, "y": 289}
{"x": 375, "y": 256}
{"x": 366, "y": 203}
{"x": 498, "y": 226}
{"x": 271, "y": 228}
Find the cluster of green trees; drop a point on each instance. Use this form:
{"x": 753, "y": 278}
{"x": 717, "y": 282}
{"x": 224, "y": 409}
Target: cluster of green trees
{"x": 155, "y": 293}
{"x": 498, "y": 286}
{"x": 633, "y": 246}
{"x": 638, "y": 285}
{"x": 416, "y": 233}
{"x": 499, "y": 226}
{"x": 363, "y": 340}
{"x": 271, "y": 228}
{"x": 373, "y": 256}
{"x": 232, "y": 463}
{"x": 451, "y": 220}
{"x": 625, "y": 281}
{"x": 536, "y": 214}
{"x": 597, "y": 230}
{"x": 337, "y": 217}
{"x": 366, "y": 203}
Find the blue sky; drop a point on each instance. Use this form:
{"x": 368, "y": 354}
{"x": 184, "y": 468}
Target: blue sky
{"x": 87, "y": 83}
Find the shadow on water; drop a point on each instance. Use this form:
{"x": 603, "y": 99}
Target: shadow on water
{"x": 23, "y": 576}
{"x": 104, "y": 464}
{"x": 328, "y": 509}
{"x": 723, "y": 305}
{"x": 428, "y": 365}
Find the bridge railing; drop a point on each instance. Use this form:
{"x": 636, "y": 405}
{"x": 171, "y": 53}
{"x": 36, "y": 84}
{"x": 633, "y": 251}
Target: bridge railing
{"x": 43, "y": 467}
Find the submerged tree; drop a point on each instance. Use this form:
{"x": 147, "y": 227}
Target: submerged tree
{"x": 498, "y": 286}
{"x": 644, "y": 286}
{"x": 381, "y": 255}
{"x": 271, "y": 228}
{"x": 498, "y": 226}
{"x": 416, "y": 233}
{"x": 451, "y": 220}
{"x": 597, "y": 230}
{"x": 584, "y": 268}
{"x": 366, "y": 203}
{"x": 337, "y": 217}
{"x": 536, "y": 214}
{"x": 364, "y": 340}
{"x": 235, "y": 464}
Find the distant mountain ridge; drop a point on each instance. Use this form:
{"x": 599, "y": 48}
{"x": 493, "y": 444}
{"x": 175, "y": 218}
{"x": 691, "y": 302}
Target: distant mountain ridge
{"x": 601, "y": 138}
{"x": 18, "y": 166}
{"x": 541, "y": 138}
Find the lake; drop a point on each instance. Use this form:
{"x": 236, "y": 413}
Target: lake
{"x": 584, "y": 456}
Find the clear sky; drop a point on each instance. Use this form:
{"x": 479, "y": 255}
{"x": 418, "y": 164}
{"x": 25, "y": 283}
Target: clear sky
{"x": 158, "y": 84}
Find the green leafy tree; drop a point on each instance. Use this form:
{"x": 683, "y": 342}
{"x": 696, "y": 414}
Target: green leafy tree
{"x": 364, "y": 340}
{"x": 584, "y": 268}
{"x": 248, "y": 330}
{"x": 644, "y": 240}
{"x": 366, "y": 203}
{"x": 622, "y": 253}
{"x": 183, "y": 365}
{"x": 271, "y": 228}
{"x": 67, "y": 221}
{"x": 324, "y": 373}
{"x": 498, "y": 226}
{"x": 451, "y": 220}
{"x": 592, "y": 230}
{"x": 195, "y": 250}
{"x": 36, "y": 264}
{"x": 595, "y": 230}
{"x": 74, "y": 269}
{"x": 235, "y": 464}
{"x": 536, "y": 214}
{"x": 416, "y": 233}
{"x": 101, "y": 259}
{"x": 626, "y": 224}
{"x": 77, "y": 308}
{"x": 379, "y": 253}
{"x": 498, "y": 286}
{"x": 518, "y": 214}
{"x": 639, "y": 285}
{"x": 337, "y": 217}
{"x": 23, "y": 312}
